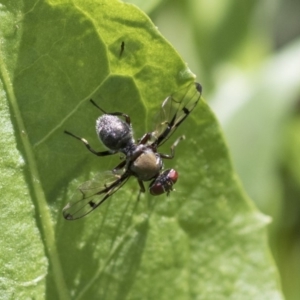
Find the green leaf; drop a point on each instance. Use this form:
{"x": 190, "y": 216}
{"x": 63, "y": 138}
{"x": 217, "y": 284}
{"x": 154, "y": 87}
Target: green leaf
{"x": 206, "y": 240}
{"x": 259, "y": 97}
{"x": 291, "y": 147}
{"x": 287, "y": 237}
{"x": 146, "y": 6}
{"x": 23, "y": 261}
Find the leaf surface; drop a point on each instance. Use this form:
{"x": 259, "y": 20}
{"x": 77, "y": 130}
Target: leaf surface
{"x": 205, "y": 241}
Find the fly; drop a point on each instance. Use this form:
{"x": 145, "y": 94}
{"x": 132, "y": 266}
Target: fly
{"x": 142, "y": 159}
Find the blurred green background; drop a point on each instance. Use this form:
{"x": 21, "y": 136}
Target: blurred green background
{"x": 246, "y": 54}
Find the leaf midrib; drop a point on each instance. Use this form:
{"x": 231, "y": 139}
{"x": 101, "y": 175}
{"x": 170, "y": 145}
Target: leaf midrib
{"x": 39, "y": 198}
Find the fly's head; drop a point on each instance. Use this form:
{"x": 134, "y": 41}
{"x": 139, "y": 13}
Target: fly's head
{"x": 164, "y": 182}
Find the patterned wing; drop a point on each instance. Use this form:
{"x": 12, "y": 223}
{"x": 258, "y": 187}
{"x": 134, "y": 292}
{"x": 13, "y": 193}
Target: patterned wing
{"x": 174, "y": 110}
{"x": 93, "y": 193}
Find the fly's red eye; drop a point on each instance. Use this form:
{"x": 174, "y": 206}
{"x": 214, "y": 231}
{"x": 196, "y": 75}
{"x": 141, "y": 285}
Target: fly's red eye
{"x": 173, "y": 175}
{"x": 156, "y": 189}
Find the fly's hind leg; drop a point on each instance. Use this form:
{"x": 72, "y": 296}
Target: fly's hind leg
{"x": 87, "y": 145}
{"x": 126, "y": 117}
{"x": 170, "y": 156}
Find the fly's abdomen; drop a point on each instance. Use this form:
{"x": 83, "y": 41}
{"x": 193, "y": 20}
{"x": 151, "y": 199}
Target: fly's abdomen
{"x": 114, "y": 133}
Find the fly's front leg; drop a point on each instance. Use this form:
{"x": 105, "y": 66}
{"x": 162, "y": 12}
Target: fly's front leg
{"x": 170, "y": 156}
{"x": 142, "y": 189}
{"x": 87, "y": 145}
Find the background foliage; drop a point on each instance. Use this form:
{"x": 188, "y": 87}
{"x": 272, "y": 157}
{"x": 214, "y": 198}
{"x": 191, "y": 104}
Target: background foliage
{"x": 206, "y": 240}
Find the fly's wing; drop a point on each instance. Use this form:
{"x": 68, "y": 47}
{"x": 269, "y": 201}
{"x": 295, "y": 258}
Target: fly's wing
{"x": 174, "y": 110}
{"x": 93, "y": 193}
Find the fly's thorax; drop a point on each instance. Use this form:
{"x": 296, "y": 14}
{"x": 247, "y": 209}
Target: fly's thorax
{"x": 114, "y": 133}
{"x": 147, "y": 165}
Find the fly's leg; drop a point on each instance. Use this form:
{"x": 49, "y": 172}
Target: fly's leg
{"x": 87, "y": 145}
{"x": 170, "y": 156}
{"x": 119, "y": 167}
{"x": 145, "y": 138}
{"x": 142, "y": 189}
{"x": 126, "y": 117}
